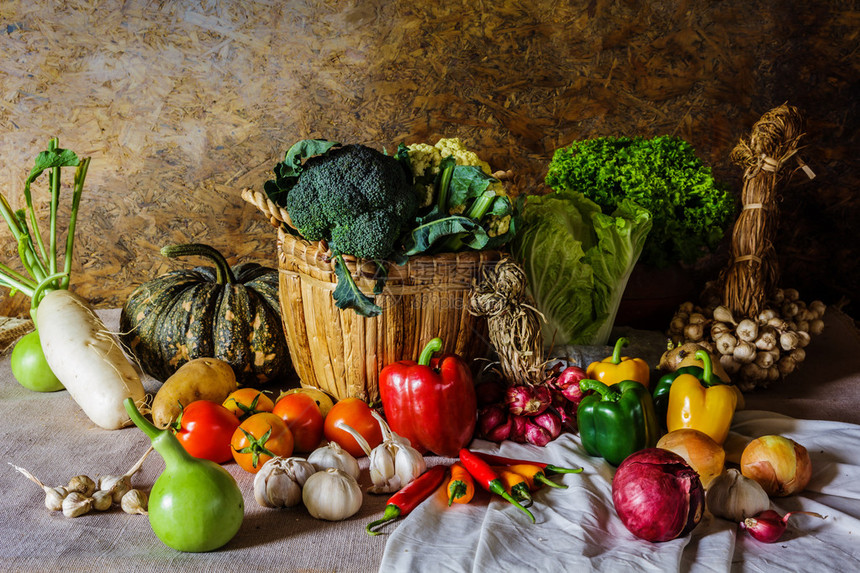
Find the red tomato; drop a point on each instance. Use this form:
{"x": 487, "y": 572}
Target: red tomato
{"x": 205, "y": 429}
{"x": 258, "y": 439}
{"x": 357, "y": 415}
{"x": 246, "y": 402}
{"x": 304, "y": 419}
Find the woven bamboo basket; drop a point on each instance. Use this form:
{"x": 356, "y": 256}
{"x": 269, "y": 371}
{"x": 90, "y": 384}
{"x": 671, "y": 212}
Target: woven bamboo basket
{"x": 342, "y": 352}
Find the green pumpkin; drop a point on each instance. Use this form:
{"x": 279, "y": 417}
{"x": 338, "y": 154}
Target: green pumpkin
{"x": 230, "y": 314}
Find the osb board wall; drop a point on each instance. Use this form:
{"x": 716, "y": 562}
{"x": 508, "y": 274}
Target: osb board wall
{"x": 181, "y": 104}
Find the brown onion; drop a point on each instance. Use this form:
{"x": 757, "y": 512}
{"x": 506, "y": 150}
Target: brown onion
{"x": 657, "y": 495}
{"x": 698, "y": 449}
{"x": 780, "y": 465}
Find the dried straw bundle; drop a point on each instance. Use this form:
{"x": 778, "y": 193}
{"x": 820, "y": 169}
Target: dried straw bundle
{"x": 513, "y": 324}
{"x": 752, "y": 276}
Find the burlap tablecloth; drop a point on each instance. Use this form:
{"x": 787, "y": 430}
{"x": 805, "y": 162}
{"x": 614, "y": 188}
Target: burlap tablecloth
{"x": 50, "y": 436}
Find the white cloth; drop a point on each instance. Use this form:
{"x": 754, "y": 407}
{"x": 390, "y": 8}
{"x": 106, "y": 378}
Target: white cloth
{"x": 577, "y": 528}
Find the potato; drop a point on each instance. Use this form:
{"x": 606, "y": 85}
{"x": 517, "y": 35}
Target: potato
{"x": 199, "y": 379}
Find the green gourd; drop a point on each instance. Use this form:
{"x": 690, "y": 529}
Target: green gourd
{"x": 195, "y": 505}
{"x": 232, "y": 314}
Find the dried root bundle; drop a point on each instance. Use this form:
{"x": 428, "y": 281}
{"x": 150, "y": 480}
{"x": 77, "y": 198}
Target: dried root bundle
{"x": 513, "y": 323}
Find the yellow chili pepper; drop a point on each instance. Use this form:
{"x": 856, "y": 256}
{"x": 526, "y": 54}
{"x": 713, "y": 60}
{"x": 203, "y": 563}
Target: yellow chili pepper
{"x": 516, "y": 485}
{"x": 615, "y": 368}
{"x": 703, "y": 404}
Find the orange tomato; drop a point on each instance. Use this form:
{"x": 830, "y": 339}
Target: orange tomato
{"x": 245, "y": 402}
{"x": 303, "y": 417}
{"x": 356, "y": 414}
{"x": 258, "y": 439}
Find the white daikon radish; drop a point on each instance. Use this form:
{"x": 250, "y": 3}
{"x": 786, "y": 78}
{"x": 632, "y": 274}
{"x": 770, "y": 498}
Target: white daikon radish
{"x": 87, "y": 359}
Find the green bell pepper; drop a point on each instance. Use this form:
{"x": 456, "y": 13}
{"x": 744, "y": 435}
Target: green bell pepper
{"x": 616, "y": 421}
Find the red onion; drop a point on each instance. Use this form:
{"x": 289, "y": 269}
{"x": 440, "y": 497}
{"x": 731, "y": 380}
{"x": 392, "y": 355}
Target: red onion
{"x": 494, "y": 424}
{"x": 768, "y": 526}
{"x": 527, "y": 400}
{"x": 567, "y": 383}
{"x": 657, "y": 495}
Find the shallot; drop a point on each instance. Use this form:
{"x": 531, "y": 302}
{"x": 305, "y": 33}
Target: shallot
{"x": 527, "y": 400}
{"x": 543, "y": 428}
{"x": 768, "y": 526}
{"x": 494, "y": 423}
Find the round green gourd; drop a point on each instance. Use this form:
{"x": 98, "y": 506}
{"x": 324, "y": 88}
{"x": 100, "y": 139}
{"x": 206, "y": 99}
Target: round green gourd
{"x": 229, "y": 314}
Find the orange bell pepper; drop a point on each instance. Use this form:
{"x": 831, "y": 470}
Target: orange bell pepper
{"x": 615, "y": 368}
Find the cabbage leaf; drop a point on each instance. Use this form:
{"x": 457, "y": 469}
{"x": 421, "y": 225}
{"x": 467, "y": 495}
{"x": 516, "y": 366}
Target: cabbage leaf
{"x": 577, "y": 261}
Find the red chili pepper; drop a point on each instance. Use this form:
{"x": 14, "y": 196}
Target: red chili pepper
{"x": 549, "y": 469}
{"x": 410, "y": 496}
{"x": 487, "y": 478}
{"x": 431, "y": 402}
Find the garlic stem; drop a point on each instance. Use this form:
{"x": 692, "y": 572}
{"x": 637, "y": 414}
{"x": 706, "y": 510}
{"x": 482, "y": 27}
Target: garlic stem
{"x": 363, "y": 444}
{"x": 54, "y": 496}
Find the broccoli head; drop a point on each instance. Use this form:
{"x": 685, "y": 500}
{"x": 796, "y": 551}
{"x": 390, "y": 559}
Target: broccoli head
{"x": 356, "y": 198}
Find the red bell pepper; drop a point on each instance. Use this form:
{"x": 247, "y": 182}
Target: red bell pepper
{"x": 432, "y": 403}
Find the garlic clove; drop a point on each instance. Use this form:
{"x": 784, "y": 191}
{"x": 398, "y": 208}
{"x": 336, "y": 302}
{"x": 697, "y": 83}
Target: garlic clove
{"x": 723, "y": 314}
{"x": 76, "y": 504}
{"x": 102, "y": 500}
{"x": 54, "y": 497}
{"x": 82, "y": 484}
{"x": 134, "y": 501}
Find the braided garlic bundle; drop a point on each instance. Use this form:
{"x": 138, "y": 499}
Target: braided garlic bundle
{"x": 757, "y": 350}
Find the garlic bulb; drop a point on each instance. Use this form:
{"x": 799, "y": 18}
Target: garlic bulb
{"x": 279, "y": 481}
{"x": 733, "y": 496}
{"x": 332, "y": 495}
{"x": 393, "y": 463}
{"x": 333, "y": 455}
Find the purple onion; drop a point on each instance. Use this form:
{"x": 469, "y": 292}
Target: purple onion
{"x": 567, "y": 383}
{"x": 494, "y": 424}
{"x": 657, "y": 495}
{"x": 528, "y": 400}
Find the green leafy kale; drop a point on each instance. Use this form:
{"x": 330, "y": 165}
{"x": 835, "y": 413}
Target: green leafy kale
{"x": 690, "y": 210}
{"x": 468, "y": 213}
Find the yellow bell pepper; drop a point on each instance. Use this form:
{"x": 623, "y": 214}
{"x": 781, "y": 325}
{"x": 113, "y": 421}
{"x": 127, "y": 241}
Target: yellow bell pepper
{"x": 704, "y": 404}
{"x": 615, "y": 368}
